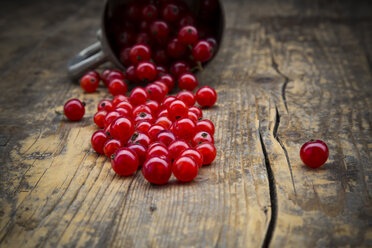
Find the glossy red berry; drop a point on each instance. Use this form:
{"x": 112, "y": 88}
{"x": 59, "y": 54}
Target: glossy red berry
{"x": 154, "y": 130}
{"x": 124, "y": 56}
{"x": 115, "y": 74}
{"x": 192, "y": 116}
{"x": 185, "y": 169}
{"x": 159, "y": 30}
{"x": 105, "y": 105}
{"x": 98, "y": 141}
{"x": 125, "y": 38}
{"x": 143, "y": 116}
{"x": 99, "y": 118}
{"x": 117, "y": 87}
{"x": 314, "y": 153}
{"x": 164, "y": 121}
{"x": 138, "y": 96}
{"x": 104, "y": 76}
{"x": 168, "y": 100}
{"x": 177, "y": 110}
{"x": 201, "y": 137}
{"x": 206, "y": 126}
{"x": 187, "y": 81}
{"x": 140, "y": 150}
{"x": 157, "y": 170}
{"x": 170, "y": 12}
{"x": 111, "y": 146}
{"x": 168, "y": 80}
{"x": 187, "y": 97}
{"x": 177, "y": 147}
{"x": 143, "y": 126}
{"x": 202, "y": 51}
{"x": 161, "y": 58}
{"x": 141, "y": 108}
{"x": 123, "y": 112}
{"x": 140, "y": 138}
{"x": 188, "y": 35}
{"x": 146, "y": 72}
{"x": 157, "y": 151}
{"x": 208, "y": 151}
{"x": 155, "y": 92}
{"x": 89, "y": 82}
{"x": 131, "y": 74}
{"x": 144, "y": 38}
{"x": 197, "y": 111}
{"x": 165, "y": 137}
{"x": 139, "y": 53}
{"x": 197, "y": 156}
{"x": 124, "y": 104}
{"x": 163, "y": 86}
{"x": 122, "y": 129}
{"x": 175, "y": 49}
{"x": 125, "y": 162}
{"x": 153, "y": 105}
{"x": 118, "y": 99}
{"x": 149, "y": 12}
{"x": 184, "y": 128}
{"x": 74, "y": 109}
{"x": 110, "y": 117}
{"x": 179, "y": 67}
{"x": 206, "y": 96}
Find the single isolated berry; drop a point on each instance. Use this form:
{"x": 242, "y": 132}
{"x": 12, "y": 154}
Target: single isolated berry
{"x": 314, "y": 153}
{"x": 74, "y": 109}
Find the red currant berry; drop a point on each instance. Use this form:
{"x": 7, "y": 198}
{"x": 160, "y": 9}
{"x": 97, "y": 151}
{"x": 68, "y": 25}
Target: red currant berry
{"x": 115, "y": 74}
{"x": 125, "y": 162}
{"x": 104, "y": 76}
{"x": 157, "y": 151}
{"x": 105, "y": 105}
{"x": 192, "y": 116}
{"x": 187, "y": 81}
{"x": 111, "y": 146}
{"x": 143, "y": 116}
{"x": 188, "y": 35}
{"x": 197, "y": 111}
{"x": 131, "y": 74}
{"x": 202, "y": 51}
{"x": 163, "y": 87}
{"x": 155, "y": 144}
{"x": 185, "y": 169}
{"x": 156, "y": 93}
{"x": 206, "y": 126}
{"x": 146, "y": 72}
{"x": 206, "y": 96}
{"x": 141, "y": 108}
{"x": 163, "y": 113}
{"x": 139, "y": 53}
{"x": 140, "y": 138}
{"x": 125, "y": 38}
{"x": 110, "y": 117}
{"x": 170, "y": 12}
{"x": 143, "y": 38}
{"x": 149, "y": 12}
{"x": 198, "y": 158}
{"x": 157, "y": 170}
{"x": 177, "y": 147}
{"x": 208, "y": 151}
{"x": 118, "y": 99}
{"x": 124, "y": 56}
{"x": 122, "y": 129}
{"x": 138, "y": 96}
{"x": 165, "y": 137}
{"x": 89, "y": 82}
{"x": 74, "y": 109}
{"x": 123, "y": 112}
{"x": 133, "y": 11}
{"x": 117, "y": 87}
{"x": 143, "y": 126}
{"x": 168, "y": 100}
{"x": 159, "y": 30}
{"x": 187, "y": 97}
{"x": 126, "y": 105}
{"x": 161, "y": 57}
{"x": 99, "y": 118}
{"x": 164, "y": 121}
{"x": 176, "y": 49}
{"x": 201, "y": 137}
{"x": 168, "y": 80}
{"x": 212, "y": 41}
{"x": 140, "y": 150}
{"x": 154, "y": 106}
{"x": 184, "y": 129}
{"x": 179, "y": 67}
{"x": 314, "y": 153}
{"x": 161, "y": 69}
{"x": 154, "y": 130}
{"x": 177, "y": 110}
{"x": 187, "y": 20}
{"x": 98, "y": 141}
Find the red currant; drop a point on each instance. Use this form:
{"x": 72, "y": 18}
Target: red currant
{"x": 105, "y": 105}
{"x": 139, "y": 53}
{"x": 202, "y": 51}
{"x": 208, "y": 151}
{"x": 187, "y": 81}
{"x": 124, "y": 56}
{"x": 143, "y": 38}
{"x": 125, "y": 162}
{"x": 126, "y": 105}
{"x": 146, "y": 72}
{"x": 164, "y": 121}
{"x": 133, "y": 11}
{"x": 104, "y": 76}
{"x": 98, "y": 141}
{"x": 143, "y": 116}
{"x": 157, "y": 151}
{"x": 156, "y": 93}
{"x": 123, "y": 112}
{"x": 177, "y": 147}
{"x": 165, "y": 137}
{"x": 117, "y": 87}
{"x": 186, "y": 19}
{"x": 192, "y": 116}
{"x": 206, "y": 96}
{"x": 188, "y": 35}
{"x": 168, "y": 100}
{"x": 179, "y": 67}
{"x": 168, "y": 80}
{"x": 161, "y": 57}
{"x": 170, "y": 12}
{"x": 115, "y": 74}
{"x": 197, "y": 111}
{"x": 99, "y": 118}
{"x": 111, "y": 146}
{"x": 138, "y": 96}
{"x": 149, "y": 12}
{"x": 141, "y": 108}
{"x": 89, "y": 82}
{"x": 176, "y": 49}
{"x": 201, "y": 137}
{"x": 314, "y": 153}
{"x": 154, "y": 106}
{"x": 122, "y": 129}
{"x": 154, "y": 130}
{"x": 184, "y": 128}
{"x": 198, "y": 158}
{"x": 185, "y": 169}
{"x": 157, "y": 170}
{"x": 143, "y": 126}
{"x": 118, "y": 99}
{"x": 74, "y": 109}
{"x": 187, "y": 97}
{"x": 140, "y": 138}
{"x": 159, "y": 30}
{"x": 163, "y": 113}
{"x": 177, "y": 109}
{"x": 163, "y": 86}
{"x": 110, "y": 117}
{"x": 206, "y": 126}
{"x": 140, "y": 150}
{"x": 131, "y": 74}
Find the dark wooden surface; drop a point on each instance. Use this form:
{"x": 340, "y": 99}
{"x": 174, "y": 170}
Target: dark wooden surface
{"x": 287, "y": 71}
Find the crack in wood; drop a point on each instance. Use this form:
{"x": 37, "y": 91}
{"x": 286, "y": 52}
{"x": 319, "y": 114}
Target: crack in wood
{"x": 273, "y": 196}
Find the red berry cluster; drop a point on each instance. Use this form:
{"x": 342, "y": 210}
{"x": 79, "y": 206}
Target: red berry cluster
{"x": 162, "y": 133}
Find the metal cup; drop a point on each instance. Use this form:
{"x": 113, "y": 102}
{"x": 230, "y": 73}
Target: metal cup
{"x": 103, "y": 50}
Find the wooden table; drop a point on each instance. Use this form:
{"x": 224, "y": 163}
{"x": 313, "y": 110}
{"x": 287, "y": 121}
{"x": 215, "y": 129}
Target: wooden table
{"x": 287, "y": 72}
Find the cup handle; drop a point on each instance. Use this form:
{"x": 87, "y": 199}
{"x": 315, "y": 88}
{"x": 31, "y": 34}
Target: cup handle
{"x": 88, "y": 59}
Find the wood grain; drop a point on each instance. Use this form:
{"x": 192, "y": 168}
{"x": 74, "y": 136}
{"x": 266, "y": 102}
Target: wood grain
{"x": 286, "y": 72}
